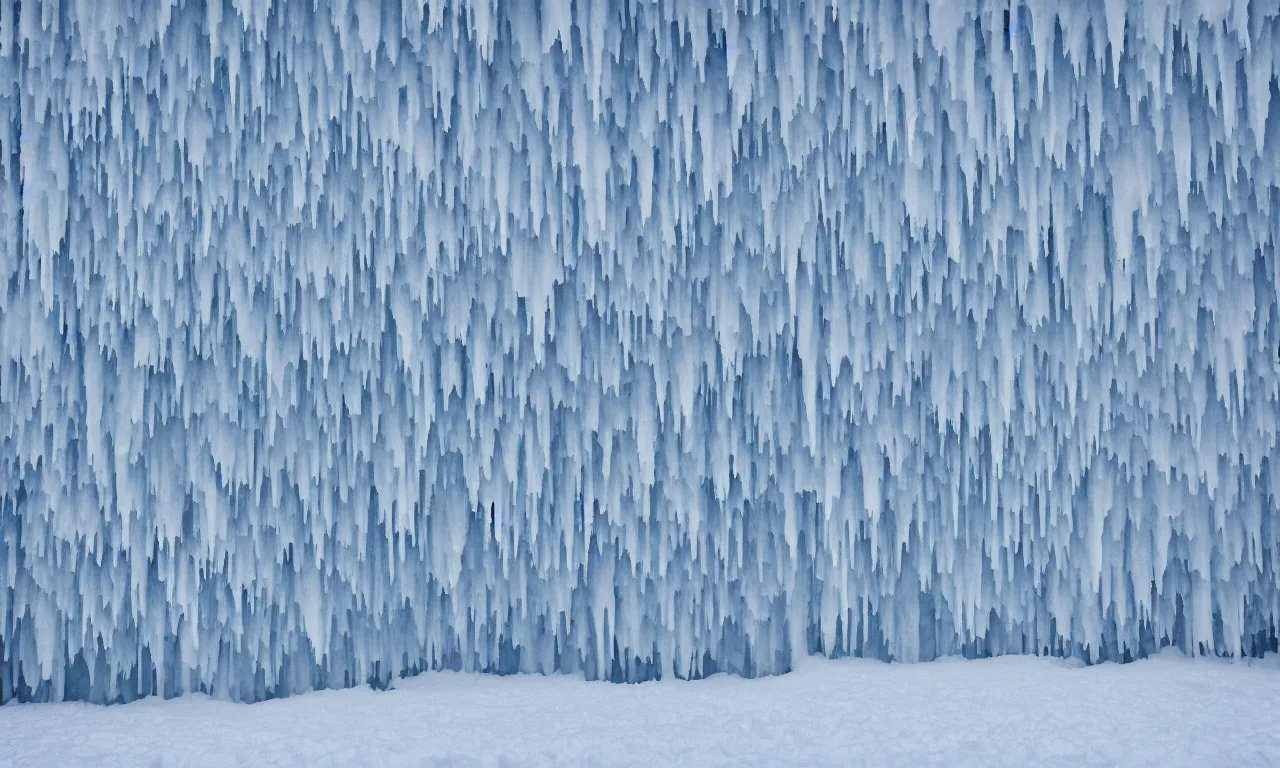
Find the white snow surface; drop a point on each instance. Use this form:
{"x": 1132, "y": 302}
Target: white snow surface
{"x": 1011, "y": 710}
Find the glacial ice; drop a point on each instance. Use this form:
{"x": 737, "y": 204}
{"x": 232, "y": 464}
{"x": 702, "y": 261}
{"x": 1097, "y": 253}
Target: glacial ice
{"x": 344, "y": 339}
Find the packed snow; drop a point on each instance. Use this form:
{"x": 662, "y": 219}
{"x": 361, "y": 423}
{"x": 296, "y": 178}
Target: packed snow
{"x": 347, "y": 338}
{"x": 1007, "y": 711}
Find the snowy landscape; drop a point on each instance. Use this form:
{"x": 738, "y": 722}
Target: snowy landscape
{"x": 639, "y": 381}
{"x": 1007, "y": 711}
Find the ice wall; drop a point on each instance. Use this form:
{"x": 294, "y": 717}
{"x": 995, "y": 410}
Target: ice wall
{"x": 341, "y": 340}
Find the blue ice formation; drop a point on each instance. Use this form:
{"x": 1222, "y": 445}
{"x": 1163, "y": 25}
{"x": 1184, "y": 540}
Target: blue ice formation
{"x": 342, "y": 339}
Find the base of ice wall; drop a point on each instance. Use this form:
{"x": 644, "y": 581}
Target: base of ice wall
{"x": 339, "y": 341}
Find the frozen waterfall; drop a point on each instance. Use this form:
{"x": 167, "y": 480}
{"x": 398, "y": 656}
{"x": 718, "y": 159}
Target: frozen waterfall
{"x": 345, "y": 339}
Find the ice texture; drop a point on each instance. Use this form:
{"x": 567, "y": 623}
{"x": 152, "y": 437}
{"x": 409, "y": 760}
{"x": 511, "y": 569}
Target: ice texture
{"x": 344, "y": 339}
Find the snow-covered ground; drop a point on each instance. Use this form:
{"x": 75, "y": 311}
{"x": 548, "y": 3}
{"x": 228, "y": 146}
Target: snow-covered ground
{"x": 1005, "y": 711}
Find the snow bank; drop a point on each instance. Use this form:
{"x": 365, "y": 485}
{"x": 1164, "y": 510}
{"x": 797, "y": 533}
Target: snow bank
{"x": 1014, "y": 711}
